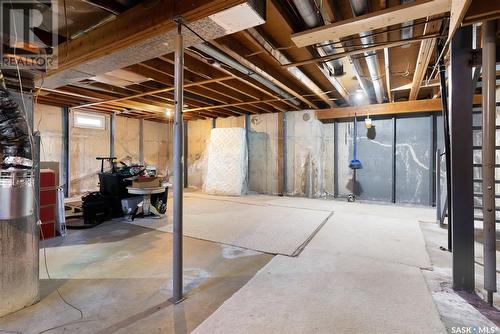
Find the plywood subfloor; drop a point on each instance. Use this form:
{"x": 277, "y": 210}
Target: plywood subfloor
{"x": 362, "y": 273}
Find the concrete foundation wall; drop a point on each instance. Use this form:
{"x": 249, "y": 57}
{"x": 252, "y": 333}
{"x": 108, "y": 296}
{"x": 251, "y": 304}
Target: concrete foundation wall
{"x": 317, "y": 158}
{"x": 263, "y": 154}
{"x": 48, "y": 120}
{"x": 86, "y": 145}
{"x": 231, "y": 122}
{"x": 198, "y": 137}
{"x": 158, "y": 145}
{"x": 305, "y": 154}
{"x": 127, "y": 138}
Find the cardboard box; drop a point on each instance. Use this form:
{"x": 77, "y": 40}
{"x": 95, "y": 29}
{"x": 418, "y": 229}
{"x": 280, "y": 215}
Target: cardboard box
{"x": 52, "y": 165}
{"x": 146, "y": 182}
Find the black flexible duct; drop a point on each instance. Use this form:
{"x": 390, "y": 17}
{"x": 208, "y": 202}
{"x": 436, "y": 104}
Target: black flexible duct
{"x": 15, "y": 146}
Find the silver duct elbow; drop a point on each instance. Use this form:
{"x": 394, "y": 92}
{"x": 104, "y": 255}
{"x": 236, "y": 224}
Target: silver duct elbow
{"x": 16, "y": 160}
{"x": 15, "y": 145}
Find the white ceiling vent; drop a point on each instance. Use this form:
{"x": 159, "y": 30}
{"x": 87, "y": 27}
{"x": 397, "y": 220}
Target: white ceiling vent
{"x": 241, "y": 17}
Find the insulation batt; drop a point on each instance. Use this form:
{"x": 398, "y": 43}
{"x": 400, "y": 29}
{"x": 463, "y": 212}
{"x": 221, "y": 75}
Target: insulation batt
{"x": 227, "y": 162}
{"x": 15, "y": 147}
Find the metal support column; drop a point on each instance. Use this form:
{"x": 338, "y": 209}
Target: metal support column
{"x": 488, "y": 154}
{"x": 335, "y": 159}
{"x": 247, "y": 135}
{"x": 65, "y": 149}
{"x": 112, "y": 131}
{"x": 438, "y": 186}
{"x": 432, "y": 174}
{"x": 185, "y": 160}
{"x": 178, "y": 168}
{"x": 446, "y": 134}
{"x": 285, "y": 155}
{"x": 394, "y": 151}
{"x": 462, "y": 206}
{"x": 141, "y": 141}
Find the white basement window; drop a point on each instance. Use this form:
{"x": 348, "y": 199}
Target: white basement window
{"x": 90, "y": 121}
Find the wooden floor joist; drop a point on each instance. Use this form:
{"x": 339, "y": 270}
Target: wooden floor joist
{"x": 427, "y": 49}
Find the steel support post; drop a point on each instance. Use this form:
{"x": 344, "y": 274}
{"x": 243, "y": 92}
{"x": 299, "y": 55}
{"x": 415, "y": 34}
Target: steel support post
{"x": 462, "y": 206}
{"x": 112, "y": 131}
{"x": 141, "y": 141}
{"x": 282, "y": 157}
{"x": 178, "y": 165}
{"x": 393, "y": 163}
{"x": 65, "y": 149}
{"x": 335, "y": 159}
{"x": 488, "y": 156}
{"x": 446, "y": 135}
{"x": 438, "y": 186}
{"x": 185, "y": 156}
{"x": 432, "y": 162}
{"x": 247, "y": 135}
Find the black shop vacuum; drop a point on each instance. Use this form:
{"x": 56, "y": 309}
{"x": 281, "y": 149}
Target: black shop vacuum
{"x": 106, "y": 203}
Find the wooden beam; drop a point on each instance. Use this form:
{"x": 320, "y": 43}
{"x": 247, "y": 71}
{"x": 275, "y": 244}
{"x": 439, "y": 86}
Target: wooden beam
{"x": 375, "y": 20}
{"x": 145, "y": 20}
{"x": 458, "y": 10}
{"x": 482, "y": 11}
{"x": 425, "y": 53}
{"x": 393, "y": 108}
{"x": 112, "y": 6}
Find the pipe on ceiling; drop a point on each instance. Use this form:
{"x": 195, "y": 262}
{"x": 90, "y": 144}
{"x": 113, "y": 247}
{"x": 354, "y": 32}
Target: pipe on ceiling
{"x": 407, "y": 27}
{"x": 312, "y": 19}
{"x": 360, "y": 7}
{"x": 223, "y": 58}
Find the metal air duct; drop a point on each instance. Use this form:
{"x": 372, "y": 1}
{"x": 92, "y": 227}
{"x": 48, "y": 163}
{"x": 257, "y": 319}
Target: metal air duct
{"x": 312, "y": 19}
{"x": 407, "y": 27}
{"x": 223, "y": 58}
{"x": 16, "y": 175}
{"x": 360, "y": 7}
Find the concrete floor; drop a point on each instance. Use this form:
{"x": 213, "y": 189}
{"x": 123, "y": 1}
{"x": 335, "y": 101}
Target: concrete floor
{"x": 367, "y": 270}
{"x": 362, "y": 273}
{"x": 458, "y": 310}
{"x": 120, "y": 276}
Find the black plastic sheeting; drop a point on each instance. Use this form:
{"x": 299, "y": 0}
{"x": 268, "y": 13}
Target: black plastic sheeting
{"x": 14, "y": 132}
